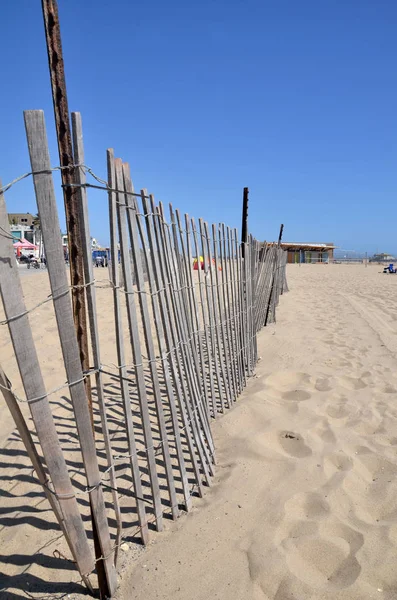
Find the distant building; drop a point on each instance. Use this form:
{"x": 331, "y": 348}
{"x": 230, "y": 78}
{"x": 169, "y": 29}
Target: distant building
{"x": 23, "y": 226}
{"x": 307, "y": 252}
{"x": 382, "y": 257}
{"x": 25, "y": 219}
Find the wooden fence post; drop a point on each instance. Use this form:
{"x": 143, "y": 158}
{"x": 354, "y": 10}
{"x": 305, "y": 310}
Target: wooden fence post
{"x": 46, "y": 202}
{"x": 78, "y": 150}
{"x": 32, "y": 380}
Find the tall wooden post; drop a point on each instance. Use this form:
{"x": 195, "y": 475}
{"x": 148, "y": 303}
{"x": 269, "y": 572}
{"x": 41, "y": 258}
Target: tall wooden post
{"x": 70, "y": 195}
{"x": 73, "y": 220}
{"x": 244, "y": 223}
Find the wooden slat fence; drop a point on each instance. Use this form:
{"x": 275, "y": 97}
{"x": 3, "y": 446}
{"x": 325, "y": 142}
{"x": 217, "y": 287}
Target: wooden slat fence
{"x": 187, "y": 311}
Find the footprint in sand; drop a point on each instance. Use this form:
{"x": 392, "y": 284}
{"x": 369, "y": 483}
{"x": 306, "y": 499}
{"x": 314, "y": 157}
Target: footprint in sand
{"x": 338, "y": 411}
{"x": 352, "y": 383}
{"x": 296, "y": 395}
{"x": 372, "y": 487}
{"x": 323, "y": 385}
{"x": 325, "y": 433}
{"x": 307, "y": 505}
{"x": 337, "y": 463}
{"x": 289, "y": 385}
{"x": 293, "y": 444}
{"x": 325, "y": 559}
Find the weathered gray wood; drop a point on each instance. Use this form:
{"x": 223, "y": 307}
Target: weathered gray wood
{"x": 230, "y": 356}
{"x": 189, "y": 351}
{"x": 265, "y": 289}
{"x": 193, "y": 397}
{"x": 247, "y": 264}
{"x": 213, "y": 272}
{"x": 78, "y": 152}
{"x": 125, "y": 395}
{"x": 46, "y": 202}
{"x": 148, "y": 334}
{"x": 253, "y": 267}
{"x": 232, "y": 243}
{"x": 206, "y": 323}
{"x": 242, "y": 312}
{"x": 195, "y": 310}
{"x": 136, "y": 346}
{"x": 32, "y": 380}
{"x": 192, "y": 331}
{"x": 31, "y": 450}
{"x": 190, "y": 347}
{"x": 231, "y": 299}
{"x": 213, "y": 324}
{"x": 173, "y": 342}
{"x": 236, "y": 305}
{"x": 162, "y": 328}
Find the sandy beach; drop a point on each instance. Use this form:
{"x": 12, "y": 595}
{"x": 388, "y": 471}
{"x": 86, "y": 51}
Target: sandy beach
{"x": 304, "y": 503}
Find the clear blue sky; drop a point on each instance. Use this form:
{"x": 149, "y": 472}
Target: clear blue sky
{"x": 296, "y": 100}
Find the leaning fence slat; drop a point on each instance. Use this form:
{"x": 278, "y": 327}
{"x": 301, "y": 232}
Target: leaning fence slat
{"x": 32, "y": 380}
{"x": 179, "y": 322}
{"x": 78, "y": 152}
{"x": 162, "y": 328}
{"x": 237, "y": 309}
{"x": 173, "y": 341}
{"x": 193, "y": 370}
{"x": 232, "y": 249}
{"x": 206, "y": 324}
{"x": 46, "y": 202}
{"x": 213, "y": 273}
{"x": 227, "y": 310}
{"x": 195, "y": 310}
{"x": 30, "y": 447}
{"x": 192, "y": 332}
{"x": 125, "y": 395}
{"x": 136, "y": 346}
{"x": 243, "y": 309}
{"x": 189, "y": 351}
{"x": 147, "y": 330}
{"x": 212, "y": 323}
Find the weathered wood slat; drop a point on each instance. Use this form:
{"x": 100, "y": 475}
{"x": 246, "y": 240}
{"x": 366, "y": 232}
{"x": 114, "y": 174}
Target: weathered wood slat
{"x": 233, "y": 299}
{"x": 231, "y": 303}
{"x": 206, "y": 323}
{"x": 225, "y": 315}
{"x": 78, "y": 152}
{"x": 46, "y": 202}
{"x": 214, "y": 280}
{"x": 195, "y": 310}
{"x": 32, "y": 380}
{"x": 125, "y": 395}
{"x": 189, "y": 347}
{"x": 191, "y": 329}
{"x": 225, "y": 310}
{"x": 193, "y": 396}
{"x": 173, "y": 340}
{"x": 242, "y": 312}
{"x": 136, "y": 346}
{"x": 162, "y": 329}
{"x": 189, "y": 352}
{"x": 31, "y": 450}
{"x": 148, "y": 334}
{"x": 212, "y": 321}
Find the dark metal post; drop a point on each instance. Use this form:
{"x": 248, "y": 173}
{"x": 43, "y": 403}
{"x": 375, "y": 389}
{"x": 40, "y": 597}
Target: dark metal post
{"x": 72, "y": 211}
{"x": 280, "y": 237}
{"x": 244, "y": 224}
